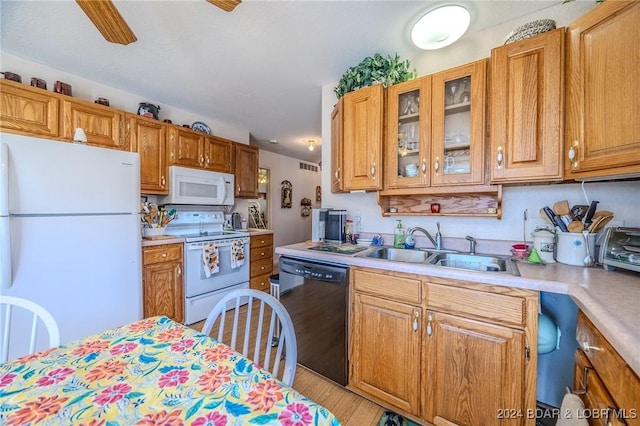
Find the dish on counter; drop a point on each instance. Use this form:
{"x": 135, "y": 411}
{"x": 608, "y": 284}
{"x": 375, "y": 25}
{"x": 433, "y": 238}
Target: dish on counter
{"x": 199, "y": 126}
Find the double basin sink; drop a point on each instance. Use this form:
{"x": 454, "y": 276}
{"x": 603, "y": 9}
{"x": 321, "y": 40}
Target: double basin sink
{"x": 447, "y": 259}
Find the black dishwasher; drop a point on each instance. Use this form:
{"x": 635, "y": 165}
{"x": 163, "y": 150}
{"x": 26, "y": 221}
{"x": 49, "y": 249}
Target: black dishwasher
{"x": 315, "y": 294}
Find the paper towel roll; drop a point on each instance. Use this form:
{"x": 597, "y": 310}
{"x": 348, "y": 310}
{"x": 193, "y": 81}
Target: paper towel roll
{"x": 572, "y": 411}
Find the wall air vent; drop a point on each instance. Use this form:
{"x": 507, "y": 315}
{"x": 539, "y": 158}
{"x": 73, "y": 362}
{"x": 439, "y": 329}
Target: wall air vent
{"x": 309, "y": 167}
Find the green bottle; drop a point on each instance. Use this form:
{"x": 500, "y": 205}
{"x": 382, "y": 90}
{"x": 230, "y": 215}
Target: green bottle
{"x": 399, "y": 235}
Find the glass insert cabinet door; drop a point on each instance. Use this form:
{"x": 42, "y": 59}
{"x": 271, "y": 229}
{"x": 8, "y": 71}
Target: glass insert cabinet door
{"x": 458, "y": 125}
{"x": 409, "y": 113}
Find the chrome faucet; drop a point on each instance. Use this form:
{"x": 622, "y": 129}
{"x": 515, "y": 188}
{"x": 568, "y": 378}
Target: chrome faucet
{"x": 472, "y": 244}
{"x": 437, "y": 243}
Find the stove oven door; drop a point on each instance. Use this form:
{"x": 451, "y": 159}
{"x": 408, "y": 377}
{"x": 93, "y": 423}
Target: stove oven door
{"x": 197, "y": 283}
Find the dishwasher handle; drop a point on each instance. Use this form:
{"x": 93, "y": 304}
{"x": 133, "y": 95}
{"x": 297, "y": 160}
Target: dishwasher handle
{"x": 316, "y": 271}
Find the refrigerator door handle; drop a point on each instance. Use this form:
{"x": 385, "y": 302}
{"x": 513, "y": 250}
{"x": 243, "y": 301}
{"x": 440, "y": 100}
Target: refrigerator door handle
{"x": 5, "y": 253}
{"x": 4, "y": 179}
{"x": 5, "y": 236}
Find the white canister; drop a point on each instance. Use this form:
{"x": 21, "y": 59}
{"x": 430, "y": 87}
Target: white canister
{"x": 571, "y": 248}
{"x": 544, "y": 243}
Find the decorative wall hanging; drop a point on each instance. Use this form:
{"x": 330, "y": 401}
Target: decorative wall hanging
{"x": 306, "y": 207}
{"x": 318, "y": 193}
{"x": 287, "y": 193}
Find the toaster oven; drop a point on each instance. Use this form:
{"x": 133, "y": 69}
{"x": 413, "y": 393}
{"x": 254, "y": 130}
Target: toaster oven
{"x": 621, "y": 249}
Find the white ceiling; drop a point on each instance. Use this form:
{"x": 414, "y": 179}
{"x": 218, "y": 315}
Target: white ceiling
{"x": 260, "y": 67}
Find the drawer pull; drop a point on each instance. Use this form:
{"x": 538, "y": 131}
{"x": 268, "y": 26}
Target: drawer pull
{"x": 164, "y": 254}
{"x": 587, "y": 347}
{"x": 262, "y": 254}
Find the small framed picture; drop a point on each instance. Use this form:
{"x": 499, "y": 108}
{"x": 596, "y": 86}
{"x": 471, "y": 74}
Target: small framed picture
{"x": 39, "y": 83}
{"x": 62, "y": 88}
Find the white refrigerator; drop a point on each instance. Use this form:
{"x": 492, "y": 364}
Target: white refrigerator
{"x": 70, "y": 233}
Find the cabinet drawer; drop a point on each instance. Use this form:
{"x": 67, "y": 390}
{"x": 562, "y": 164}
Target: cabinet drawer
{"x": 260, "y": 267}
{"x": 261, "y": 282}
{"x": 394, "y": 287}
{"x": 262, "y": 240}
{"x": 463, "y": 301}
{"x": 259, "y": 253}
{"x": 596, "y": 398}
{"x": 162, "y": 253}
{"x": 621, "y": 382}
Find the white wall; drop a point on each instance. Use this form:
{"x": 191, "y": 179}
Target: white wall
{"x": 288, "y": 225}
{"x": 622, "y": 198}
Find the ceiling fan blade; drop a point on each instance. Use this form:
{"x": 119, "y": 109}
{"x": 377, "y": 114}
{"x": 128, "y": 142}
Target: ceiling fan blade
{"x": 108, "y": 20}
{"x": 226, "y": 5}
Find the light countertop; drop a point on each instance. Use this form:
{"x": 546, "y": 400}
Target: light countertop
{"x": 157, "y": 242}
{"x": 256, "y": 231}
{"x": 611, "y": 299}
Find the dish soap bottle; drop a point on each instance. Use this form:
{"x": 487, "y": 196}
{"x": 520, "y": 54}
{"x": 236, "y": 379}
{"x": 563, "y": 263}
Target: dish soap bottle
{"x": 399, "y": 235}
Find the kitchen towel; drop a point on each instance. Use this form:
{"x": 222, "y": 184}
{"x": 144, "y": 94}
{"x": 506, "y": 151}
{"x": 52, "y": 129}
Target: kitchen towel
{"x": 210, "y": 259}
{"x": 237, "y": 254}
{"x": 572, "y": 411}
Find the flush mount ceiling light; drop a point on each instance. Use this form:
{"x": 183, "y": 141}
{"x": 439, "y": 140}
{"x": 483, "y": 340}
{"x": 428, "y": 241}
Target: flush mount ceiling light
{"x": 440, "y": 27}
{"x": 311, "y": 144}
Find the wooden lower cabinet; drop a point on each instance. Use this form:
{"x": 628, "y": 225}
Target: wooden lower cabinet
{"x": 385, "y": 360}
{"x": 475, "y": 370}
{"x": 446, "y": 352}
{"x": 608, "y": 387}
{"x": 261, "y": 258}
{"x": 163, "y": 288}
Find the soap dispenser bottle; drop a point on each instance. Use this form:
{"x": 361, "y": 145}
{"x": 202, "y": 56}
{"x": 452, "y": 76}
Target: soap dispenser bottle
{"x": 399, "y": 235}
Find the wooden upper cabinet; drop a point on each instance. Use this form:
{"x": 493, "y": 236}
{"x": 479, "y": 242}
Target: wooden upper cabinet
{"x": 603, "y": 92}
{"x": 458, "y": 125}
{"x": 186, "y": 147}
{"x": 362, "y": 143}
{"x": 408, "y": 143}
{"x": 148, "y": 137}
{"x": 102, "y": 125}
{"x": 219, "y": 154}
{"x": 337, "y": 123}
{"x": 246, "y": 171}
{"x": 527, "y": 81}
{"x": 27, "y": 110}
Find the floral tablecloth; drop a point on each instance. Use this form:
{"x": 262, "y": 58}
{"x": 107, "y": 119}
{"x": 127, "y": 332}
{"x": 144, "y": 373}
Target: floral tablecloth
{"x": 151, "y": 372}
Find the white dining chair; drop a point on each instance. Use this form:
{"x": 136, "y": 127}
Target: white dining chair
{"x": 38, "y": 314}
{"x": 262, "y": 314}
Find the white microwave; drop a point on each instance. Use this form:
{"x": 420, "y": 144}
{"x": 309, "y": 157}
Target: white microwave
{"x": 193, "y": 186}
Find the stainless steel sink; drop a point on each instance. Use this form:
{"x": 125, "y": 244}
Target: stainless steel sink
{"x": 475, "y": 262}
{"x": 400, "y": 255}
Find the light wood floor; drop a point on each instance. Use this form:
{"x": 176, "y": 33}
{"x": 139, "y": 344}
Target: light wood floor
{"x": 349, "y": 408}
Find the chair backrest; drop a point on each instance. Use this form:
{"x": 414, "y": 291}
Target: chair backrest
{"x": 37, "y": 313}
{"x": 263, "y": 314}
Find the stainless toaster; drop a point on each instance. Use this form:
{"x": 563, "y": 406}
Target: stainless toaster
{"x": 620, "y": 248}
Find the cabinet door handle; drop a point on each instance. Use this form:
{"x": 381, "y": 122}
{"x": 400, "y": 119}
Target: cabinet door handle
{"x": 207, "y": 160}
{"x": 202, "y": 159}
{"x": 573, "y": 154}
{"x": 337, "y": 174}
{"x": 424, "y": 166}
{"x": 499, "y": 157}
{"x": 179, "y": 270}
{"x": 373, "y": 170}
{"x": 587, "y": 347}
{"x": 162, "y": 181}
{"x": 429, "y": 328}
{"x": 436, "y": 165}
{"x": 416, "y": 317}
{"x": 585, "y": 380}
